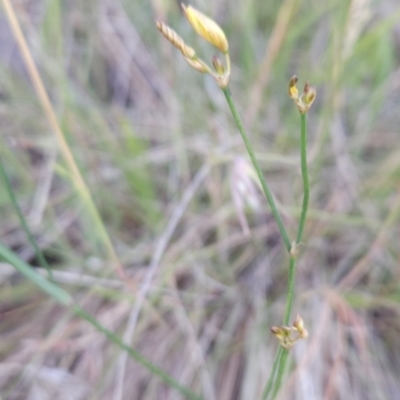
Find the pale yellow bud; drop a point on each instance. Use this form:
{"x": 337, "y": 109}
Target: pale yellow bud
{"x": 303, "y": 334}
{"x": 298, "y": 323}
{"x": 207, "y": 28}
{"x": 218, "y": 66}
{"x": 278, "y": 332}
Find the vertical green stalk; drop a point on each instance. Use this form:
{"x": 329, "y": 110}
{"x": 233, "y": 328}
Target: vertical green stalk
{"x": 271, "y": 378}
{"x": 290, "y": 290}
{"x": 279, "y": 365}
{"x": 38, "y": 251}
{"x": 304, "y": 172}
{"x": 267, "y": 191}
{"x": 281, "y": 371}
{"x": 292, "y": 262}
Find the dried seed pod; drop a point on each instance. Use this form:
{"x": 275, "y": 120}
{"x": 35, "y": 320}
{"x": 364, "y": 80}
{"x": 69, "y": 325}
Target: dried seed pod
{"x": 197, "y": 65}
{"x": 175, "y": 39}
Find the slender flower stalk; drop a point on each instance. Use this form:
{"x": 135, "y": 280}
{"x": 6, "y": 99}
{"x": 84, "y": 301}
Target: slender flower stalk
{"x": 271, "y": 378}
{"x": 281, "y": 371}
{"x": 210, "y": 31}
{"x": 279, "y": 365}
{"x": 304, "y": 172}
{"x": 266, "y": 189}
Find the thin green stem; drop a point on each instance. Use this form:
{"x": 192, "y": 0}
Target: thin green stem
{"x": 267, "y": 191}
{"x": 281, "y": 361}
{"x": 64, "y": 298}
{"x": 24, "y": 224}
{"x": 304, "y": 172}
{"x": 281, "y": 358}
{"x": 281, "y": 371}
{"x": 290, "y": 290}
{"x": 271, "y": 378}
{"x": 154, "y": 369}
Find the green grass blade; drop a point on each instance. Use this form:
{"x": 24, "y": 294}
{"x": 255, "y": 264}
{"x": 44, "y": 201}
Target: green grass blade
{"x": 31, "y": 238}
{"x": 66, "y": 299}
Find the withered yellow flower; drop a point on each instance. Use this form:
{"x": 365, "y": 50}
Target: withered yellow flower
{"x": 207, "y": 28}
{"x": 309, "y": 96}
{"x": 305, "y": 100}
{"x": 293, "y": 92}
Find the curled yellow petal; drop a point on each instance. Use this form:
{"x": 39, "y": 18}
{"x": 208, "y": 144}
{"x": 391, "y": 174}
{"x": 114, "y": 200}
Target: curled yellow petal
{"x": 207, "y": 28}
{"x": 310, "y": 96}
{"x": 293, "y": 92}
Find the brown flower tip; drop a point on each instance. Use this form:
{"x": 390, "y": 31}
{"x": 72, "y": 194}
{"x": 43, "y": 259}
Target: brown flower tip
{"x": 305, "y": 100}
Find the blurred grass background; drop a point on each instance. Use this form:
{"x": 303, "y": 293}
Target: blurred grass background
{"x": 167, "y": 170}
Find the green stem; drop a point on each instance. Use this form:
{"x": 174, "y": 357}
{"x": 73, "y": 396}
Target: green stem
{"x": 38, "y": 251}
{"x": 281, "y": 357}
{"x": 306, "y": 195}
{"x": 290, "y": 290}
{"x": 154, "y": 369}
{"x": 281, "y": 360}
{"x": 271, "y": 378}
{"x": 304, "y": 172}
{"x": 281, "y": 371}
{"x": 267, "y": 191}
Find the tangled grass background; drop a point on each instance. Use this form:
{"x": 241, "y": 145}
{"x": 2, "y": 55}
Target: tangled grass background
{"x": 201, "y": 272}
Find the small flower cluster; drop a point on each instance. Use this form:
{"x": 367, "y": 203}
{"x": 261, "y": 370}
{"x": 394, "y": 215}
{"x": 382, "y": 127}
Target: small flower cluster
{"x": 284, "y": 333}
{"x": 208, "y": 30}
{"x": 304, "y": 100}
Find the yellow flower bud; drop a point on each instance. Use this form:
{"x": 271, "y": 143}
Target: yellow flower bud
{"x": 278, "y": 332}
{"x": 303, "y": 334}
{"x": 298, "y": 323}
{"x": 206, "y": 28}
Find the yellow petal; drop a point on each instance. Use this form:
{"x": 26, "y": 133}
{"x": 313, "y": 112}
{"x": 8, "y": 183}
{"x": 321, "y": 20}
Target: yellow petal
{"x": 207, "y": 28}
{"x": 293, "y": 92}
